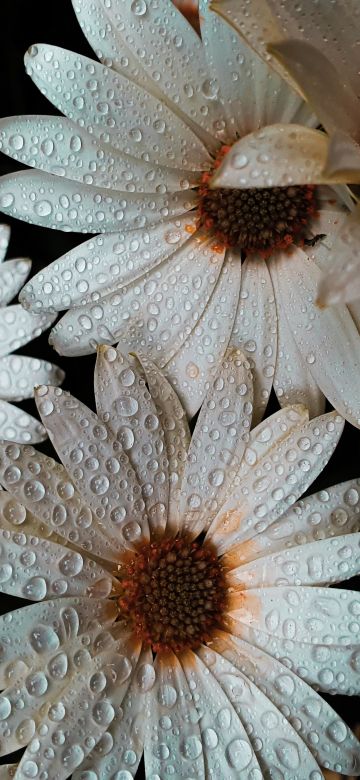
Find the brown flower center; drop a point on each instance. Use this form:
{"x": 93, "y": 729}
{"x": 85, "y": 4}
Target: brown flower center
{"x": 174, "y": 593}
{"x": 256, "y": 220}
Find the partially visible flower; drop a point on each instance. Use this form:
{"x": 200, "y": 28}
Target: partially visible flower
{"x": 197, "y": 551}
{"x": 315, "y": 47}
{"x": 18, "y": 373}
{"x": 180, "y": 272}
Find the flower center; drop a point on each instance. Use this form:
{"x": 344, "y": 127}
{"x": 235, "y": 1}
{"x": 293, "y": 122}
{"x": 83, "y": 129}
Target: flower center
{"x": 256, "y": 220}
{"x": 174, "y": 593}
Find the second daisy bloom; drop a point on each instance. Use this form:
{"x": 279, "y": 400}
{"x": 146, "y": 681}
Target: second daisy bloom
{"x": 129, "y": 160}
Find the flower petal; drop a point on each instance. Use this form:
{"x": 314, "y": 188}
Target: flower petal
{"x": 12, "y": 277}
{"x": 330, "y": 513}
{"x": 255, "y": 329}
{"x": 80, "y": 437}
{"x": 88, "y": 714}
{"x": 156, "y": 312}
{"x": 4, "y": 241}
{"x": 341, "y": 282}
{"x": 52, "y": 498}
{"x": 227, "y": 749}
{"x": 332, "y": 668}
{"x": 123, "y": 400}
{"x": 322, "y": 615}
{"x": 318, "y": 724}
{"x": 258, "y": 28}
{"x": 315, "y": 563}
{"x": 218, "y": 443}
{"x": 173, "y": 41}
{"x": 18, "y": 327}
{"x": 329, "y": 94}
{"x": 68, "y": 150}
{"x": 176, "y": 433}
{"x": 262, "y": 98}
{"x": 343, "y": 155}
{"x": 20, "y": 374}
{"x": 122, "y": 744}
{"x": 52, "y": 570}
{"x": 72, "y": 616}
{"x": 293, "y": 382}
{"x": 197, "y": 361}
{"x": 264, "y": 493}
{"x": 278, "y": 155}
{"x": 278, "y": 746}
{"x": 17, "y": 425}
{"x": 103, "y": 264}
{"x": 114, "y": 109}
{"x": 327, "y": 339}
{"x": 61, "y": 204}
{"x": 170, "y": 700}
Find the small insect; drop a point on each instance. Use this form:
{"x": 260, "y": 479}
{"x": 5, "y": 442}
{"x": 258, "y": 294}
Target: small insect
{"x": 314, "y": 241}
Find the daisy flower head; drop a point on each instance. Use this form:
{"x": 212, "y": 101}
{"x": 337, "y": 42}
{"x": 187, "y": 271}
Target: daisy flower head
{"x": 182, "y": 610}
{"x": 181, "y": 270}
{"x": 19, "y": 373}
{"x": 314, "y": 47}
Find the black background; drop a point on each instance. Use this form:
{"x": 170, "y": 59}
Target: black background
{"x": 23, "y": 23}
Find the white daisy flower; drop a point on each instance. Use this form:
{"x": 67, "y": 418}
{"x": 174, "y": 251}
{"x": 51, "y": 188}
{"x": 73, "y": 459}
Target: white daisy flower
{"x": 183, "y": 611}
{"x": 19, "y": 373}
{"x": 314, "y": 47}
{"x": 142, "y": 134}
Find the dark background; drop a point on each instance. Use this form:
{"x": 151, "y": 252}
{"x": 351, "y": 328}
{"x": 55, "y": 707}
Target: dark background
{"x": 25, "y": 22}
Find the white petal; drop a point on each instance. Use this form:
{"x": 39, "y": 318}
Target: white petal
{"x": 50, "y": 570}
{"x": 123, "y": 400}
{"x": 176, "y": 433}
{"x": 275, "y": 740}
{"x": 265, "y": 491}
{"x": 68, "y": 150}
{"x": 12, "y": 277}
{"x": 155, "y": 313}
{"x": 293, "y": 382}
{"x": 58, "y": 203}
{"x": 317, "y": 723}
{"x": 327, "y": 339}
{"x": 52, "y": 498}
{"x": 72, "y": 616}
{"x": 18, "y": 326}
{"x": 316, "y": 563}
{"x": 121, "y": 746}
{"x": 343, "y": 156}
{"x": 341, "y": 282}
{"x": 330, "y": 513}
{"x": 332, "y": 668}
{"x": 170, "y": 699}
{"x": 116, "y": 110}
{"x": 258, "y": 28}
{"x": 80, "y": 437}
{"x": 104, "y": 263}
{"x": 88, "y": 713}
{"x": 7, "y": 771}
{"x": 14, "y": 514}
{"x": 255, "y": 329}
{"x": 252, "y": 94}
{"x": 228, "y": 752}
{"x": 197, "y": 361}
{"x": 218, "y": 443}
{"x": 329, "y": 93}
{"x": 20, "y": 374}
{"x": 302, "y": 614}
{"x": 279, "y": 155}
{"x": 4, "y": 241}
{"x": 183, "y": 83}
{"x": 17, "y": 425}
